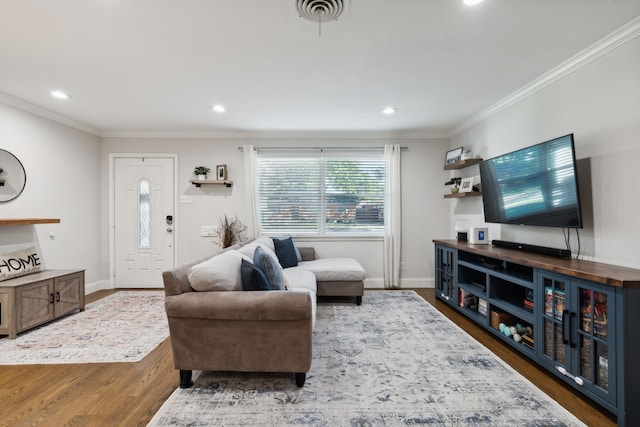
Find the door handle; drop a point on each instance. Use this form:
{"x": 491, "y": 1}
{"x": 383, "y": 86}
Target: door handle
{"x": 169, "y": 229}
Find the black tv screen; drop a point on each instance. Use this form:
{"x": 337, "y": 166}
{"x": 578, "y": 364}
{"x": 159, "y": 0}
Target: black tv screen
{"x": 537, "y": 185}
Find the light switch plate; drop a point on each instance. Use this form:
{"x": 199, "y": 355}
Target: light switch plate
{"x": 208, "y": 231}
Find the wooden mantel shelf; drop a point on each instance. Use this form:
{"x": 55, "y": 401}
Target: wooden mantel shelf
{"x": 28, "y": 221}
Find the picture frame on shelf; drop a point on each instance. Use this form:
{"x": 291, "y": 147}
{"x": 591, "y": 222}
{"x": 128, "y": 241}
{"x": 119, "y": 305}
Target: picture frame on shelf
{"x": 453, "y": 156}
{"x": 221, "y": 172}
{"x": 466, "y": 185}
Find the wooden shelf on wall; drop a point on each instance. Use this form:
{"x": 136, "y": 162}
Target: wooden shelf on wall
{"x": 199, "y": 182}
{"x": 462, "y": 164}
{"x": 463, "y": 195}
{"x": 28, "y": 221}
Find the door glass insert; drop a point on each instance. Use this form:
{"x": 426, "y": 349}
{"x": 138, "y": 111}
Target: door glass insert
{"x": 144, "y": 215}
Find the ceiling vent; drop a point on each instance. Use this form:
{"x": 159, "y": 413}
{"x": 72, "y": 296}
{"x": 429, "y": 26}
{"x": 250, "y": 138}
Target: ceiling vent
{"x": 320, "y": 10}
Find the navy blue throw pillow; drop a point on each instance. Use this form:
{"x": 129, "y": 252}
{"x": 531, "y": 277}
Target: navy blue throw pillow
{"x": 286, "y": 252}
{"x": 253, "y": 279}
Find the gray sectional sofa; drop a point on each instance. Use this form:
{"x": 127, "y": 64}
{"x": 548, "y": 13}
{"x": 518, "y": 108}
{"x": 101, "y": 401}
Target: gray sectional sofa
{"x": 216, "y": 325}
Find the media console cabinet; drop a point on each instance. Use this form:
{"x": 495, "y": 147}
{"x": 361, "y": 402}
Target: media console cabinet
{"x": 578, "y": 319}
{"x": 37, "y": 298}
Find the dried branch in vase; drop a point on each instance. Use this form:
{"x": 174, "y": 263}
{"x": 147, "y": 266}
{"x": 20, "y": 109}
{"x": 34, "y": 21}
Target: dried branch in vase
{"x": 229, "y": 232}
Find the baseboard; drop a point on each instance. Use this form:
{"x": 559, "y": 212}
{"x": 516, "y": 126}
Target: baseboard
{"x": 378, "y": 283}
{"x": 97, "y": 286}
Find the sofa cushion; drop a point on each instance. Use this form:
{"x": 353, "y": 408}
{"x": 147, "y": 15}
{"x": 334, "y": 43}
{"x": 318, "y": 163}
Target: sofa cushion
{"x": 219, "y": 273}
{"x": 253, "y": 279}
{"x": 286, "y": 252}
{"x": 334, "y": 269}
{"x": 297, "y": 278}
{"x": 19, "y": 263}
{"x": 270, "y": 267}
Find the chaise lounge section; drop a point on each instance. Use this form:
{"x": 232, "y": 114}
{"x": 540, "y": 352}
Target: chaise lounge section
{"x": 334, "y": 276}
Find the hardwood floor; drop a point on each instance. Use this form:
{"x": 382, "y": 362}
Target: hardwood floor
{"x": 129, "y": 394}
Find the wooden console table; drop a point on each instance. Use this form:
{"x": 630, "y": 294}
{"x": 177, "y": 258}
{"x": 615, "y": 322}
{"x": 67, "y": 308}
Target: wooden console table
{"x": 34, "y": 299}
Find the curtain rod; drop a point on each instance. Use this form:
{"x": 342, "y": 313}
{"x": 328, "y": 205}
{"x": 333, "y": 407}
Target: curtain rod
{"x": 324, "y": 148}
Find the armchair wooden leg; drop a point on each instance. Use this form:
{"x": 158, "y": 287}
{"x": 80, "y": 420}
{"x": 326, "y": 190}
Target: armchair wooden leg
{"x": 185, "y": 378}
{"x": 300, "y": 378}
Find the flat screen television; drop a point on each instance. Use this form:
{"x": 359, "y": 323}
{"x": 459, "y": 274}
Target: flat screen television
{"x": 537, "y": 185}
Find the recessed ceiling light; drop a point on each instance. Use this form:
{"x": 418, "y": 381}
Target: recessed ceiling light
{"x": 59, "y": 94}
{"x": 389, "y": 110}
{"x": 472, "y": 2}
{"x": 219, "y": 108}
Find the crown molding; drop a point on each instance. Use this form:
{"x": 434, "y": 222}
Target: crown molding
{"x": 278, "y": 135}
{"x": 23, "y": 105}
{"x": 602, "y": 47}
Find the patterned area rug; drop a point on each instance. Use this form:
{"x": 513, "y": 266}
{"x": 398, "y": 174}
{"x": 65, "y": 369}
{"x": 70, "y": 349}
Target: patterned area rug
{"x": 122, "y": 327}
{"x": 393, "y": 361}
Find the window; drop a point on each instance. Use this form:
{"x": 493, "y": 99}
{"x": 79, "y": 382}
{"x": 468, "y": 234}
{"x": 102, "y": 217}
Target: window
{"x": 144, "y": 215}
{"x": 321, "y": 192}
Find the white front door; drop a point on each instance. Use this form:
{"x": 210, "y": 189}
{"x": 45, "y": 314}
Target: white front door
{"x": 143, "y": 220}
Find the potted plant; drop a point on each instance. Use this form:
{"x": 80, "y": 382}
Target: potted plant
{"x": 454, "y": 184}
{"x": 201, "y": 172}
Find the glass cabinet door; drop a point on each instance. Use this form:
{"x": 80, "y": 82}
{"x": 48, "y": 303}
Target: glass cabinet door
{"x": 445, "y": 281}
{"x": 578, "y": 330}
{"x": 595, "y": 327}
{"x": 555, "y": 336}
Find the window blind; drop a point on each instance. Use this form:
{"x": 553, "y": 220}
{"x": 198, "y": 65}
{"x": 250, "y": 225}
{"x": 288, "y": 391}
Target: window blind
{"x": 321, "y": 192}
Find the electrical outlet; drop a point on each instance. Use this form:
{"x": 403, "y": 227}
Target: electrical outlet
{"x": 403, "y": 265}
{"x": 208, "y": 231}
{"x": 185, "y": 199}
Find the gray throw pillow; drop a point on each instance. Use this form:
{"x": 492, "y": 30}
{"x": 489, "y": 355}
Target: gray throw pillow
{"x": 270, "y": 267}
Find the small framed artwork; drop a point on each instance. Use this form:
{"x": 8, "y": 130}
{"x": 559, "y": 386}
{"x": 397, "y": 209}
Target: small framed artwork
{"x": 453, "y": 156}
{"x": 466, "y": 185}
{"x": 221, "y": 172}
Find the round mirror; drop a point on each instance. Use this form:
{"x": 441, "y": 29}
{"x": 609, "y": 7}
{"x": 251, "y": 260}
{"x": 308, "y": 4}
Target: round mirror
{"x": 12, "y": 176}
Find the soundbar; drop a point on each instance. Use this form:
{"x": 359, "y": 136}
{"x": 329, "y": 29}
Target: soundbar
{"x": 544, "y": 250}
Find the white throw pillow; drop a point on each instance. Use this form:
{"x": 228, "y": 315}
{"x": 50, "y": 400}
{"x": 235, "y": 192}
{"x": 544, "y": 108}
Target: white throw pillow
{"x": 19, "y": 263}
{"x": 219, "y": 273}
{"x": 249, "y": 250}
{"x": 266, "y": 241}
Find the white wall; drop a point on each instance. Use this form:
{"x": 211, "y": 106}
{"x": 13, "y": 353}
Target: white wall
{"x": 600, "y": 104}
{"x": 425, "y": 213}
{"x": 62, "y": 165}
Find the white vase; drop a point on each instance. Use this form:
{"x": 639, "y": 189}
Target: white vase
{"x": 202, "y": 177}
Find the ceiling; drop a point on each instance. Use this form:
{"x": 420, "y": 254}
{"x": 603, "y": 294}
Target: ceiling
{"x": 157, "y": 66}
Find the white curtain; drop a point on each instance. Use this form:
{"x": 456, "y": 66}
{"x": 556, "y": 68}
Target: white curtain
{"x": 392, "y": 217}
{"x": 251, "y": 197}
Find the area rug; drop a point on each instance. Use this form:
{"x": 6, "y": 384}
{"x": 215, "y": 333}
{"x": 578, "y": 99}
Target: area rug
{"x": 393, "y": 361}
{"x": 122, "y": 327}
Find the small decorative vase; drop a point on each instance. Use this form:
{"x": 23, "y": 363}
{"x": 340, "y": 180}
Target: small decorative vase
{"x": 454, "y": 190}
{"x": 202, "y": 177}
